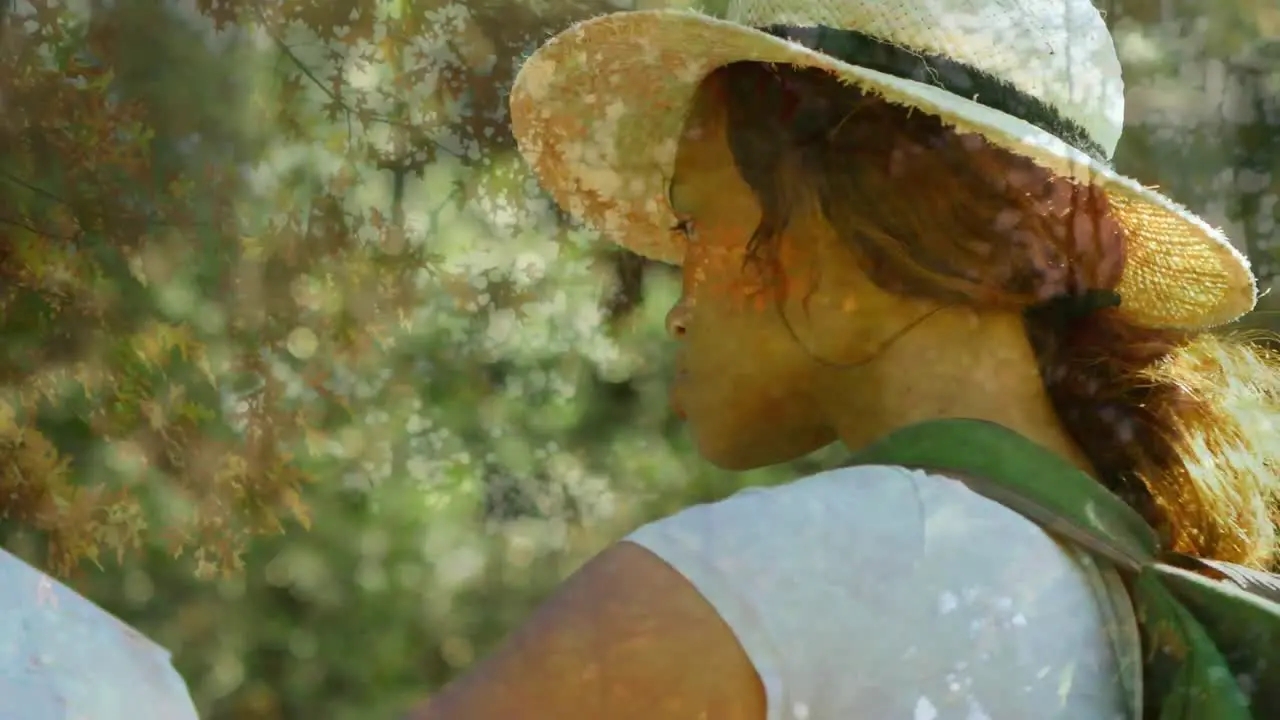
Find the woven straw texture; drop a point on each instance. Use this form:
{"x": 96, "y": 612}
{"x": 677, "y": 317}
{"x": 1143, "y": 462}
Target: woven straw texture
{"x": 597, "y": 112}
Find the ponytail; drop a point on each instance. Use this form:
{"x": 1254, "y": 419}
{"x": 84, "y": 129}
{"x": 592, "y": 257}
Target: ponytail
{"x": 1183, "y": 426}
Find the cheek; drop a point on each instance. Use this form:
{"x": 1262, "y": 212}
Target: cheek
{"x": 798, "y": 274}
{"x": 721, "y": 277}
{"x": 719, "y": 261}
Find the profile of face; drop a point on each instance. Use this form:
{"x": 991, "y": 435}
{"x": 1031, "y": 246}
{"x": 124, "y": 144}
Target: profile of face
{"x": 760, "y": 353}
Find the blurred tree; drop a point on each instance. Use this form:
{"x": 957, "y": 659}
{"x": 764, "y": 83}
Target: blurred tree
{"x": 106, "y": 371}
{"x": 1256, "y": 160}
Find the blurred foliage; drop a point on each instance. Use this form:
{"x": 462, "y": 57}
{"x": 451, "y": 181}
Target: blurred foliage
{"x": 301, "y": 374}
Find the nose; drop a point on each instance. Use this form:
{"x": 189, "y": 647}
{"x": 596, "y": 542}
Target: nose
{"x": 678, "y": 320}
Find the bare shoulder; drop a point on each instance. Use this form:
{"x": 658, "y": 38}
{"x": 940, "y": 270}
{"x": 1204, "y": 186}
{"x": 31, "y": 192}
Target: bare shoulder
{"x": 624, "y": 637}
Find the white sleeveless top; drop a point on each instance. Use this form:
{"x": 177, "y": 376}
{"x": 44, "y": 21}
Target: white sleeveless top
{"x": 885, "y": 593}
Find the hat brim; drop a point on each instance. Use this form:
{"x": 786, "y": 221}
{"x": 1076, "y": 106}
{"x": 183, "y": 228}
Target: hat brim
{"x": 598, "y": 111}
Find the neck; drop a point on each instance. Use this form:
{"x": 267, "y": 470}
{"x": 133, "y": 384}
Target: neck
{"x": 958, "y": 363}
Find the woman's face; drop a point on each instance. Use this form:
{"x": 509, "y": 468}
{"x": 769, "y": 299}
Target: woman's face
{"x": 750, "y": 384}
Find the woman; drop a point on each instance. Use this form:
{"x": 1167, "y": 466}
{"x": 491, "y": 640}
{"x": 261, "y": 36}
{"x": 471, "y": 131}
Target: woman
{"x": 886, "y": 213}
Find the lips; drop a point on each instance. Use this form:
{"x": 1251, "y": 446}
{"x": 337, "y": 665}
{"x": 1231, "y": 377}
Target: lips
{"x": 676, "y": 406}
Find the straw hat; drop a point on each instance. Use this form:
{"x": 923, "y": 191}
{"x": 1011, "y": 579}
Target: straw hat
{"x": 598, "y": 110}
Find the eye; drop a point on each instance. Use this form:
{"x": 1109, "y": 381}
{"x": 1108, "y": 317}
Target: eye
{"x": 684, "y": 227}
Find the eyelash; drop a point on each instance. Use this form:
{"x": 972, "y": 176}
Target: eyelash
{"x": 684, "y": 227}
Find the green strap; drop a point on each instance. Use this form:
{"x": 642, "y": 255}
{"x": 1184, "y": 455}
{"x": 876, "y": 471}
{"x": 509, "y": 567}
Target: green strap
{"x": 1189, "y": 673}
{"x": 1001, "y": 464}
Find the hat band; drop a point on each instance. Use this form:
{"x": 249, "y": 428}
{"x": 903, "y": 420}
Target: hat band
{"x": 957, "y": 78}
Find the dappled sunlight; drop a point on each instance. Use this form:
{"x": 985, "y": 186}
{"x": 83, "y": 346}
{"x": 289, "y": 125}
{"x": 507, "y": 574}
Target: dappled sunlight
{"x": 306, "y": 377}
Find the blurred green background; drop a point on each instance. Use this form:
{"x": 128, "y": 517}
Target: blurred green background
{"x": 302, "y": 376}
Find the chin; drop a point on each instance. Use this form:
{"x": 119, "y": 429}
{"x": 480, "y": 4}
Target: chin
{"x": 741, "y": 456}
{"x": 734, "y": 463}
{"x": 732, "y": 447}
